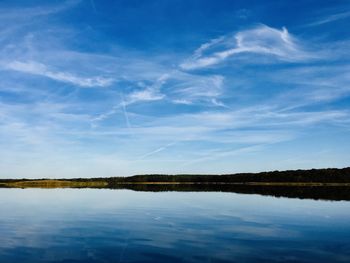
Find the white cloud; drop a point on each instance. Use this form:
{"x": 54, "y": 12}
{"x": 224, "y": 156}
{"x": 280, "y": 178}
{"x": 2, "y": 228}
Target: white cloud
{"x": 150, "y": 93}
{"x": 259, "y": 40}
{"x": 215, "y": 155}
{"x": 182, "y": 101}
{"x": 312, "y": 84}
{"x": 31, "y": 12}
{"x": 245, "y": 125}
{"x": 145, "y": 95}
{"x": 35, "y": 68}
{"x": 226, "y": 112}
{"x": 330, "y": 18}
{"x": 186, "y": 88}
{"x": 196, "y": 87}
{"x": 160, "y": 149}
{"x": 219, "y": 103}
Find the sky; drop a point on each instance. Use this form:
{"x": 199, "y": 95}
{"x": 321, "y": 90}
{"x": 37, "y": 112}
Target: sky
{"x": 114, "y": 88}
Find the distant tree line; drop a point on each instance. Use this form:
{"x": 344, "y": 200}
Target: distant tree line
{"x": 330, "y": 175}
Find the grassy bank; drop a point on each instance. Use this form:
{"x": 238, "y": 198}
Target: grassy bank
{"x": 54, "y": 184}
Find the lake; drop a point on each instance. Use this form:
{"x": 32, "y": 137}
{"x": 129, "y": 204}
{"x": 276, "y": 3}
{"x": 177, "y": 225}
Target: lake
{"x": 104, "y": 225}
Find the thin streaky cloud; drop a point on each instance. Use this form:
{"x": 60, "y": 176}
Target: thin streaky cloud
{"x": 40, "y": 69}
{"x": 125, "y": 111}
{"x": 160, "y": 149}
{"x": 262, "y": 40}
{"x": 215, "y": 155}
{"x": 73, "y": 83}
{"x": 330, "y": 18}
{"x": 30, "y": 12}
{"x": 149, "y": 93}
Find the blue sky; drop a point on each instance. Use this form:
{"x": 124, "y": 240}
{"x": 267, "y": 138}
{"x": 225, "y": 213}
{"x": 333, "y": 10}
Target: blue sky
{"x": 112, "y": 88}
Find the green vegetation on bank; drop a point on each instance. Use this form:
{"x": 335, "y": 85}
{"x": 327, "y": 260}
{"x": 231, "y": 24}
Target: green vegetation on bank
{"x": 325, "y": 184}
{"x": 46, "y": 183}
{"x": 313, "y": 177}
{"x": 331, "y": 175}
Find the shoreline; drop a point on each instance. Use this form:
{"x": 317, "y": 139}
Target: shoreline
{"x": 103, "y": 184}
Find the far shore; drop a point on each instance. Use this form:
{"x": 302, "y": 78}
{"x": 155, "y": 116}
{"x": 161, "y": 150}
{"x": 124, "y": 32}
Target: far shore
{"x": 330, "y": 177}
{"x": 102, "y": 184}
{"x": 317, "y": 184}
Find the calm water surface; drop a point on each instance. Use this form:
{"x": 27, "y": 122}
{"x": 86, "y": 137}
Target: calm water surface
{"x": 87, "y": 225}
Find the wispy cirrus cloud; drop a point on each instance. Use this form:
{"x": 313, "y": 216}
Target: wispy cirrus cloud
{"x": 330, "y": 18}
{"x": 197, "y": 87}
{"x": 158, "y": 150}
{"x": 35, "y": 68}
{"x": 148, "y": 92}
{"x": 312, "y": 85}
{"x": 234, "y": 125}
{"x": 218, "y": 154}
{"x": 261, "y": 39}
{"x": 31, "y": 12}
{"x": 236, "y": 95}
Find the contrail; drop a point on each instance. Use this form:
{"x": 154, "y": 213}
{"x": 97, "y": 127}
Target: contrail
{"x": 220, "y": 154}
{"x": 157, "y": 150}
{"x": 126, "y": 115}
